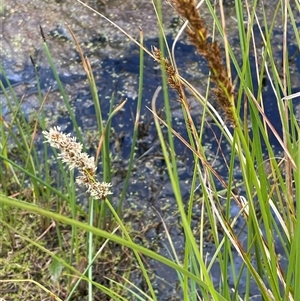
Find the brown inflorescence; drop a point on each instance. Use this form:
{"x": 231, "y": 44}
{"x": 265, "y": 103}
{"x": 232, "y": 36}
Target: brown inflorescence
{"x": 171, "y": 73}
{"x": 197, "y": 33}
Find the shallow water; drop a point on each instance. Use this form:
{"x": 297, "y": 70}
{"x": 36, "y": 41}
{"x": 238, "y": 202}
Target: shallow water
{"x": 115, "y": 63}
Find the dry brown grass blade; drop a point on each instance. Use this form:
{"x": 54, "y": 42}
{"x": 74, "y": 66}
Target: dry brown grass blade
{"x": 88, "y": 70}
{"x": 267, "y": 121}
{"x": 85, "y": 64}
{"x": 4, "y": 122}
{"x": 118, "y": 27}
{"x": 188, "y": 145}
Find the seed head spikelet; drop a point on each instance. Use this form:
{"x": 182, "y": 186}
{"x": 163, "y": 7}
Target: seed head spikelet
{"x": 71, "y": 154}
{"x": 198, "y": 36}
{"x": 173, "y": 81}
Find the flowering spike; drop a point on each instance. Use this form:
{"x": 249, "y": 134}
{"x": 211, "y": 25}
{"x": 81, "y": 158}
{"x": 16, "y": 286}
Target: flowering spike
{"x": 72, "y": 155}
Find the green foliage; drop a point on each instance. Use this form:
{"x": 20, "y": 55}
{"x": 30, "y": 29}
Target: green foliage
{"x": 267, "y": 195}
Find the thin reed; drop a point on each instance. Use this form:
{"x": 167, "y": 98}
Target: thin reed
{"x": 233, "y": 231}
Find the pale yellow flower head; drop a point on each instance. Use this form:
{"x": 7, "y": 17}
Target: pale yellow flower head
{"x": 72, "y": 155}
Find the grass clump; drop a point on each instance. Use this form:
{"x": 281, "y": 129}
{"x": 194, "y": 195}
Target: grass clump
{"x": 248, "y": 213}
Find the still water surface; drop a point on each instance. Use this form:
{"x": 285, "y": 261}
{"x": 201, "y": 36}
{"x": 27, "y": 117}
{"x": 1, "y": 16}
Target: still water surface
{"x": 115, "y": 61}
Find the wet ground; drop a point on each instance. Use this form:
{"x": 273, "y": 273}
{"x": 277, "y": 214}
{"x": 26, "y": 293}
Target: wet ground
{"x": 115, "y": 61}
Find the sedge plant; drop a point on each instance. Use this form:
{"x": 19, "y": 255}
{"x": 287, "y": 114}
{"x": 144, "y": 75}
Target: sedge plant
{"x": 268, "y": 193}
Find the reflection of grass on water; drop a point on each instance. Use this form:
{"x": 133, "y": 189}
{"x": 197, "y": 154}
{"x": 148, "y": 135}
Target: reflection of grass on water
{"x": 53, "y": 248}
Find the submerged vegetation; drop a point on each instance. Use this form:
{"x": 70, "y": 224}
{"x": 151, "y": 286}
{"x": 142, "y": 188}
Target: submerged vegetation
{"x": 61, "y": 243}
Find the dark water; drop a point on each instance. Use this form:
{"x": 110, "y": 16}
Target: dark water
{"x": 150, "y": 186}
